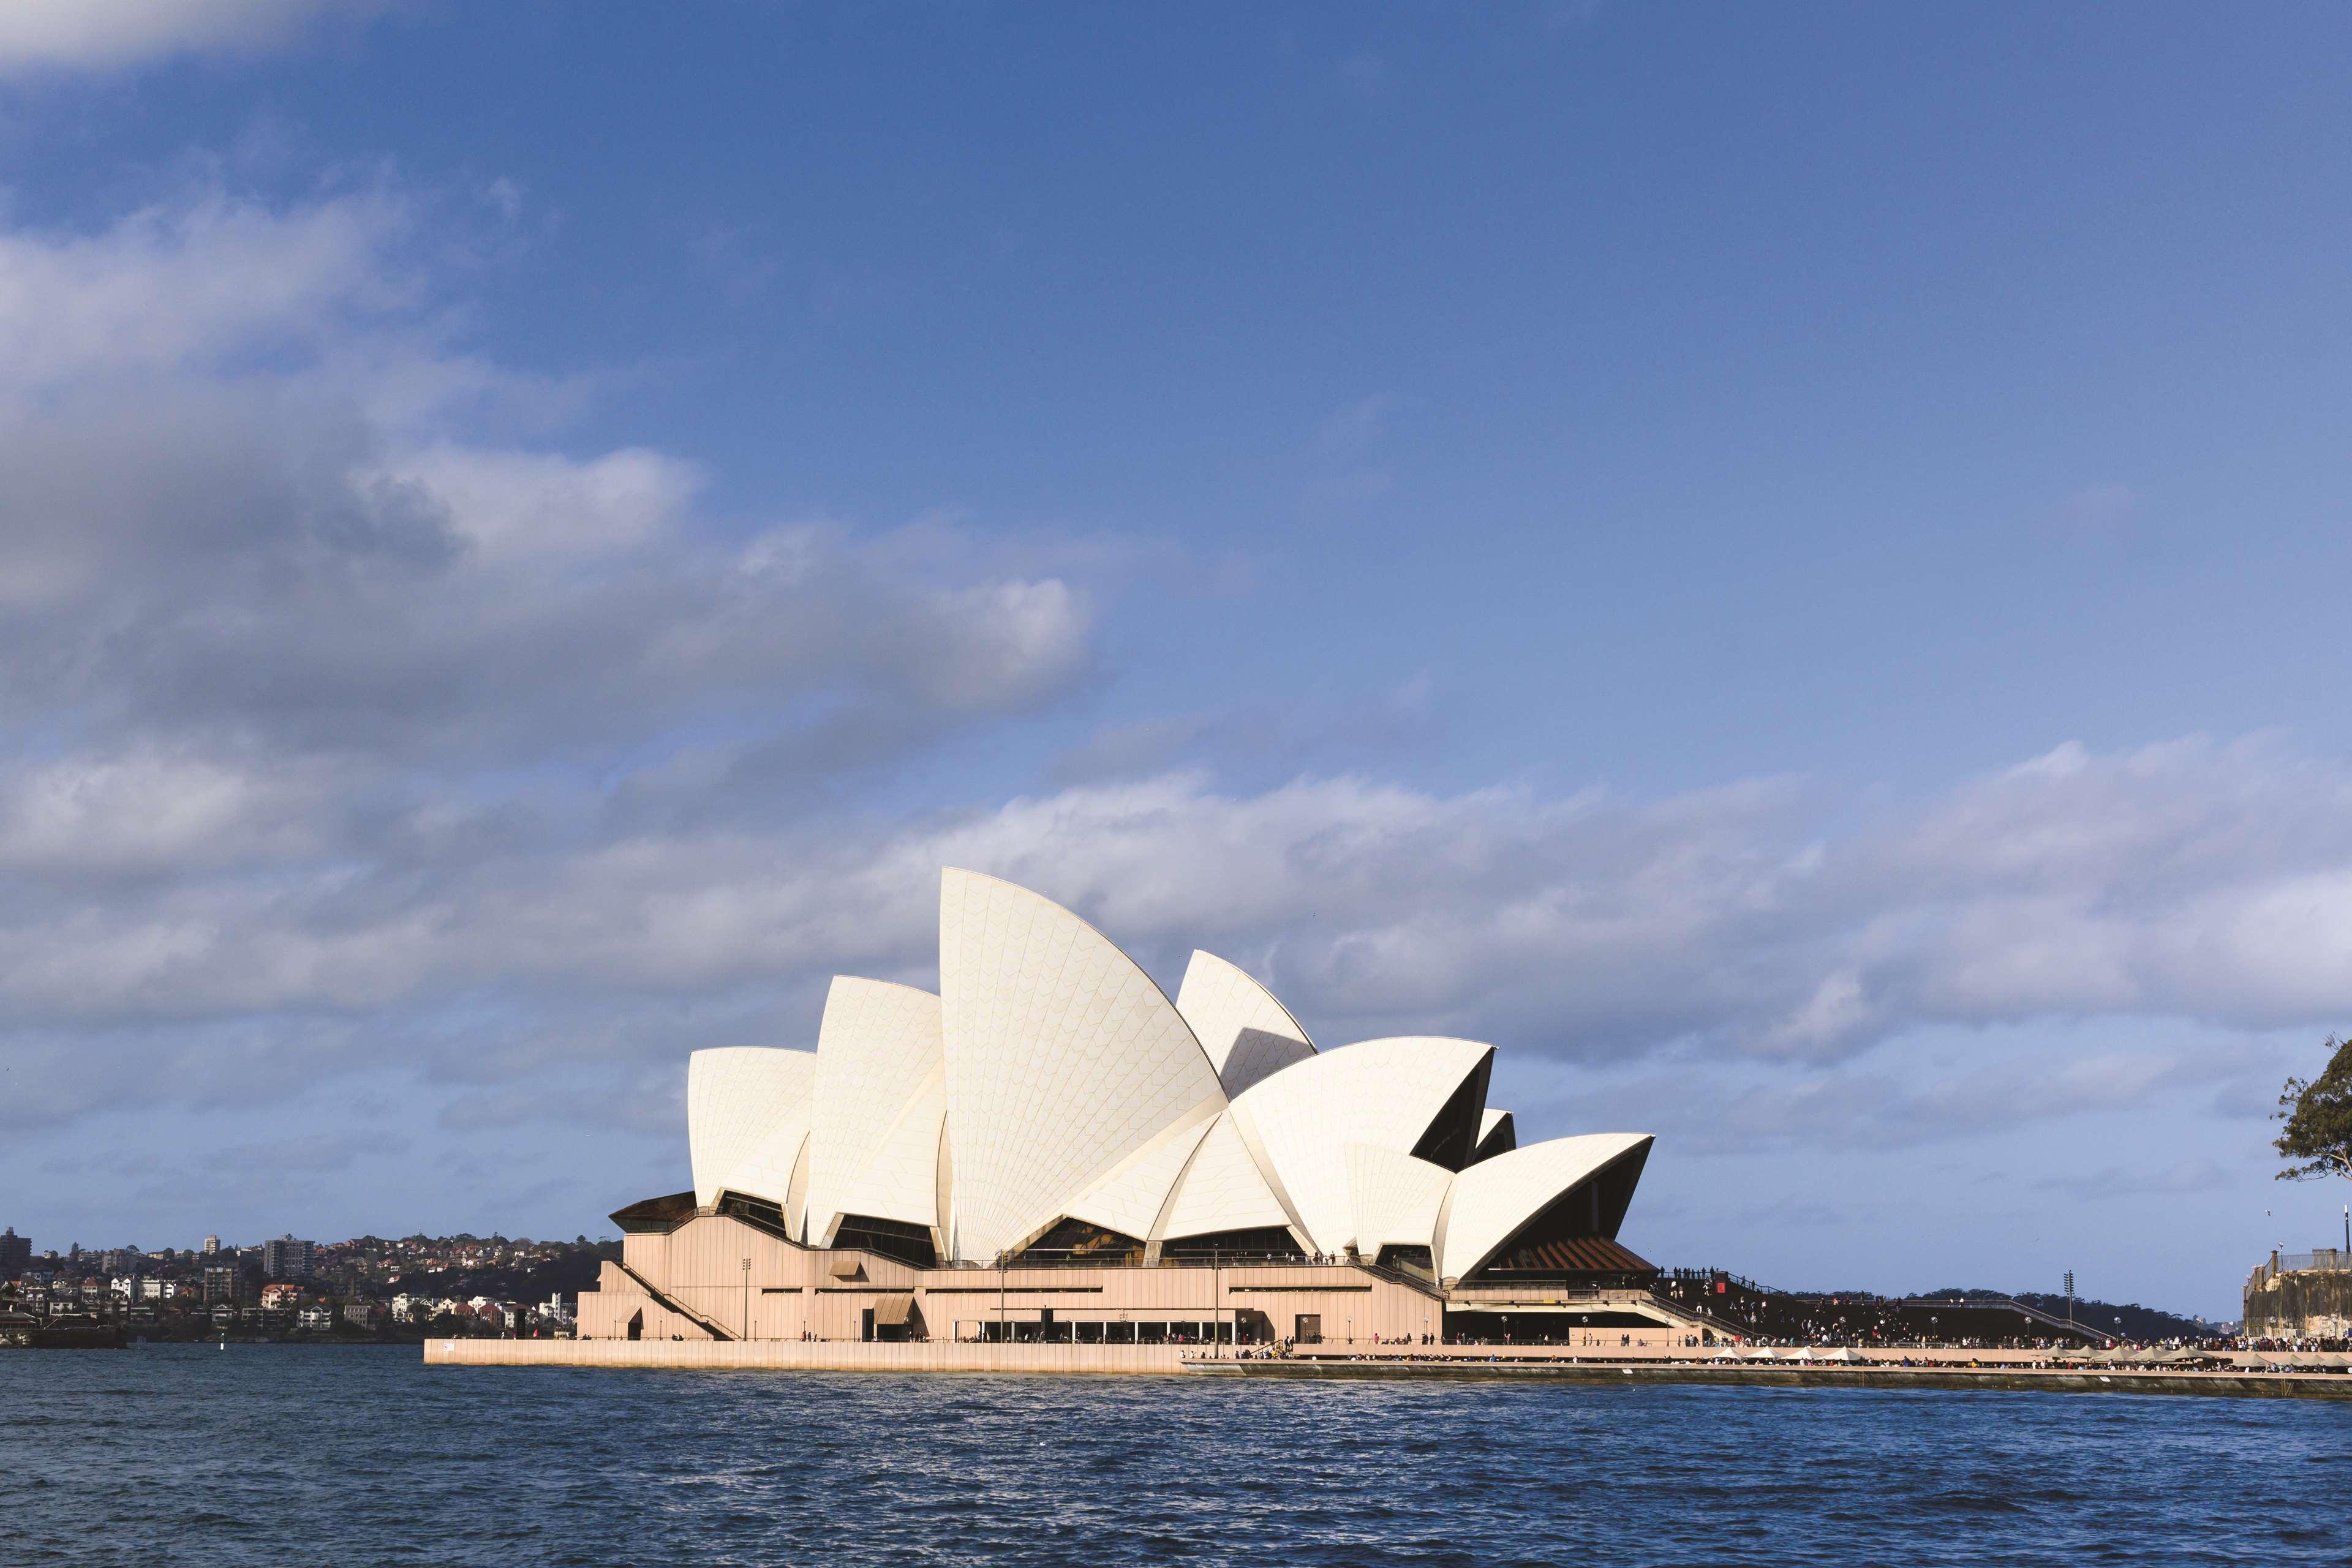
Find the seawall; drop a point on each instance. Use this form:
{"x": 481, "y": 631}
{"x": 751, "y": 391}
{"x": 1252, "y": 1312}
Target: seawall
{"x": 2040, "y": 1380}
{"x": 812, "y": 1355}
{"x": 1460, "y": 1365}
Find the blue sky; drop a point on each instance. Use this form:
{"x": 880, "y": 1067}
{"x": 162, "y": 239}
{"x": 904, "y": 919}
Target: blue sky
{"x": 1786, "y": 568}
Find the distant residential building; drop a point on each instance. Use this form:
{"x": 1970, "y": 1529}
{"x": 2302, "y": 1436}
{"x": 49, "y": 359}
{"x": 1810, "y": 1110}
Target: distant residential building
{"x": 286, "y": 1258}
{"x": 220, "y": 1284}
{"x": 15, "y": 1253}
{"x": 361, "y": 1314}
{"x": 212, "y": 1246}
{"x": 280, "y": 1293}
{"x": 318, "y": 1318}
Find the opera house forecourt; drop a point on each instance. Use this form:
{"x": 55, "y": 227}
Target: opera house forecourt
{"x": 1050, "y": 1151}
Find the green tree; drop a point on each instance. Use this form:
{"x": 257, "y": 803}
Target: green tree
{"x": 2317, "y": 1141}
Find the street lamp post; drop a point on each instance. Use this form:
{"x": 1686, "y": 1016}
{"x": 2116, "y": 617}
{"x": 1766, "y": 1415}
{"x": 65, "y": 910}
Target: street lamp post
{"x": 1216, "y": 1304}
{"x": 747, "y": 1298}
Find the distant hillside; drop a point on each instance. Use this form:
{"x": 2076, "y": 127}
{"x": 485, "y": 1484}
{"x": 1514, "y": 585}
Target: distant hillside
{"x": 567, "y": 1274}
{"x": 2139, "y": 1322}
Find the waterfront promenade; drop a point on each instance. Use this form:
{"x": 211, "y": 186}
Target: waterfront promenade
{"x": 2246, "y": 1373}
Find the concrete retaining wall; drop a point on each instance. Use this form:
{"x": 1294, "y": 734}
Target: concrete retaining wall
{"x": 2241, "y": 1385}
{"x": 812, "y": 1355}
{"x": 2303, "y": 1303}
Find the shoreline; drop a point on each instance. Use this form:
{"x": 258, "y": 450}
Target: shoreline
{"x": 2236, "y": 1384}
{"x": 1183, "y": 1361}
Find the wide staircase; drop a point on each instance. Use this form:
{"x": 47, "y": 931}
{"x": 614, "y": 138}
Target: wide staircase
{"x": 663, "y": 1299}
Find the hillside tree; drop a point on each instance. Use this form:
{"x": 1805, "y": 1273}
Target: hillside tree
{"x": 2318, "y": 1138}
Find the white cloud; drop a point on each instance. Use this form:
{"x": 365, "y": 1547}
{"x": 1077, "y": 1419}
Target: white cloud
{"x": 196, "y": 281}
{"x": 146, "y": 812}
{"x": 509, "y": 505}
{"x": 255, "y": 502}
{"x": 104, "y": 33}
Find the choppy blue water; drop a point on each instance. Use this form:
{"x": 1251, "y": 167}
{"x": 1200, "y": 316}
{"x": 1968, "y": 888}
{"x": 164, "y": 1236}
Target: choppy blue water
{"x": 263, "y": 1455}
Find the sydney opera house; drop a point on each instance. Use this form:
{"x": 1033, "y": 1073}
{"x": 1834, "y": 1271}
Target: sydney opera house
{"x": 1049, "y": 1148}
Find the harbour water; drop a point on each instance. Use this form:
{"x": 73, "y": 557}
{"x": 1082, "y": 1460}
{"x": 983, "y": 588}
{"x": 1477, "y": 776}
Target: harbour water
{"x": 270, "y": 1455}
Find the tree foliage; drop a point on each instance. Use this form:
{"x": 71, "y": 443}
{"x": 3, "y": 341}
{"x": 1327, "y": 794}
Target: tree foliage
{"x": 2317, "y": 1141}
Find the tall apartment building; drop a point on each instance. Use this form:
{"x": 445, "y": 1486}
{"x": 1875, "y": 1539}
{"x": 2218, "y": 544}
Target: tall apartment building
{"x": 220, "y": 1284}
{"x": 15, "y": 1253}
{"x": 286, "y": 1258}
{"x": 212, "y": 1246}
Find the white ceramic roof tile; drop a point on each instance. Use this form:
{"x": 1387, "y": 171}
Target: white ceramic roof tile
{"x": 746, "y": 1114}
{"x": 1495, "y": 1197}
{"x": 1063, "y": 1058}
{"x": 1249, "y": 1035}
{"x": 1131, "y": 1198}
{"x": 1395, "y": 1198}
{"x": 1222, "y": 1189}
{"x": 1385, "y": 1093}
{"x": 1488, "y": 1121}
{"x": 872, "y": 1140}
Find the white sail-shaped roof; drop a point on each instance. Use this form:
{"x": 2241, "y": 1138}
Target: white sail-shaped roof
{"x": 1497, "y": 1134}
{"x": 1494, "y": 1198}
{"x": 1395, "y": 1199}
{"x": 1129, "y": 1199}
{"x": 1222, "y": 1189}
{"x": 901, "y": 1182}
{"x": 747, "y": 1117}
{"x": 1248, "y": 1035}
{"x": 881, "y": 1088}
{"x": 1385, "y": 1093}
{"x": 1063, "y": 1058}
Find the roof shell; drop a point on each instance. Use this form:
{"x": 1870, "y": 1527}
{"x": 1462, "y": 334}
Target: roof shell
{"x": 881, "y": 1088}
{"x": 1497, "y": 1134}
{"x": 1222, "y": 1189}
{"x": 1129, "y": 1199}
{"x": 1249, "y": 1035}
{"x": 1384, "y": 1093}
{"x": 747, "y": 1118}
{"x": 1395, "y": 1198}
{"x": 1062, "y": 1060}
{"x": 1493, "y": 1199}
